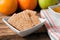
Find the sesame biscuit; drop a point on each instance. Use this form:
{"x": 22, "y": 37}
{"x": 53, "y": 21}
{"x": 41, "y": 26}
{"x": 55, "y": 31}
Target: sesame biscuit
{"x": 27, "y": 21}
{"x": 35, "y": 20}
{"x": 26, "y": 17}
{"x": 12, "y": 19}
{"x": 15, "y": 20}
{"x": 30, "y": 12}
{"x": 33, "y": 17}
{"x": 24, "y": 20}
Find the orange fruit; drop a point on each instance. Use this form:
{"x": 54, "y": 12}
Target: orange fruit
{"x": 8, "y": 7}
{"x": 27, "y": 4}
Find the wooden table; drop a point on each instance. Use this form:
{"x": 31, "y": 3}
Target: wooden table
{"x": 8, "y": 34}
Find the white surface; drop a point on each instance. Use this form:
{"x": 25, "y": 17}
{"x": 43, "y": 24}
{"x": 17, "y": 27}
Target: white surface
{"x": 25, "y": 32}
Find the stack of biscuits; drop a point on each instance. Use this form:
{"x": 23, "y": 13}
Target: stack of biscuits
{"x": 24, "y": 20}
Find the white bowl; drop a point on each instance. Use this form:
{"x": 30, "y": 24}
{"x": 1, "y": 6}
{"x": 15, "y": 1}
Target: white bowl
{"x": 50, "y": 9}
{"x": 25, "y": 32}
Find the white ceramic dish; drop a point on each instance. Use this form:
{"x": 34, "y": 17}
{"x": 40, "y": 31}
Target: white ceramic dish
{"x": 25, "y": 32}
{"x": 50, "y": 9}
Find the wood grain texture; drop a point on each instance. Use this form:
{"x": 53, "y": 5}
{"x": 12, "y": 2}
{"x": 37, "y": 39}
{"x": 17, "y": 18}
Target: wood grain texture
{"x": 8, "y": 34}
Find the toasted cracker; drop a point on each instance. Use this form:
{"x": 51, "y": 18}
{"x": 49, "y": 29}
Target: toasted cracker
{"x": 24, "y": 20}
{"x": 35, "y": 20}
{"x": 27, "y": 21}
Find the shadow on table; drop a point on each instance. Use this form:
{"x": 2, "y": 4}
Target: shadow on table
{"x": 34, "y": 36}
